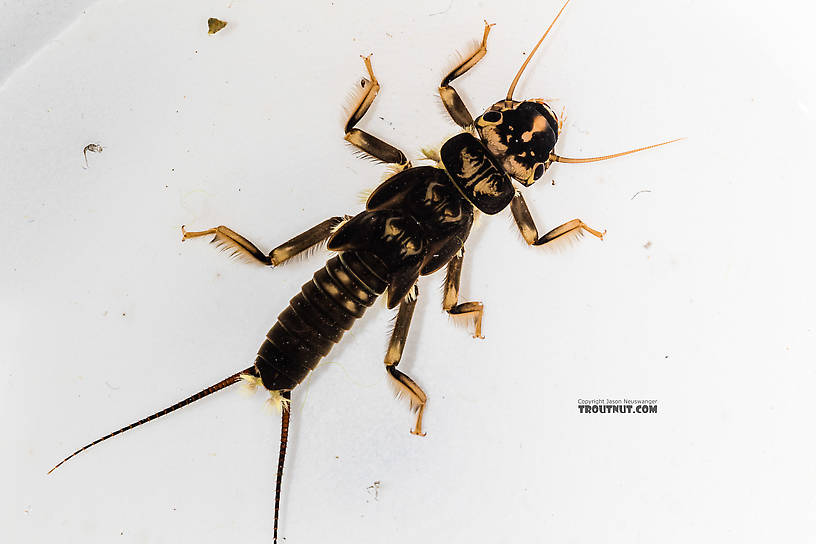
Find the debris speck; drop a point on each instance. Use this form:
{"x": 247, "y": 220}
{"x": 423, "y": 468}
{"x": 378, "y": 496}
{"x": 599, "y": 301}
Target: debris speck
{"x": 647, "y": 245}
{"x": 443, "y": 11}
{"x": 375, "y": 488}
{"x": 93, "y": 148}
{"x": 214, "y": 25}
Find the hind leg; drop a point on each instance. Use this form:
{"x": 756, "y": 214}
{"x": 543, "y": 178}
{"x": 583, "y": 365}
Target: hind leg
{"x": 402, "y": 382}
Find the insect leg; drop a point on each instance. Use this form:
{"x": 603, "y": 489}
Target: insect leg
{"x": 450, "y": 301}
{"x": 403, "y": 383}
{"x": 365, "y": 141}
{"x": 240, "y": 246}
{"x": 453, "y": 102}
{"x": 570, "y": 229}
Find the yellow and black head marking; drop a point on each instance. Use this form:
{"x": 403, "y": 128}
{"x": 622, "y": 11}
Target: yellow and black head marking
{"x": 521, "y": 135}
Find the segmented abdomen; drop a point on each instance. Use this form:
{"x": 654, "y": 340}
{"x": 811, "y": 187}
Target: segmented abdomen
{"x": 318, "y": 316}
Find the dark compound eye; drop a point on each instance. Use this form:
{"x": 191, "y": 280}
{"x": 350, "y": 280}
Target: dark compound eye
{"x": 492, "y": 117}
{"x": 539, "y": 171}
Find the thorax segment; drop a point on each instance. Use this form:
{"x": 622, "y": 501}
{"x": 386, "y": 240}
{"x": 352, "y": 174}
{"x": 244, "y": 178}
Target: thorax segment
{"x": 476, "y": 173}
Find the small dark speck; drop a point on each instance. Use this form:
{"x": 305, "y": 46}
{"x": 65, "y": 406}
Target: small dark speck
{"x": 666, "y": 357}
{"x": 553, "y": 182}
{"x": 123, "y": 314}
{"x": 93, "y": 148}
{"x": 165, "y": 186}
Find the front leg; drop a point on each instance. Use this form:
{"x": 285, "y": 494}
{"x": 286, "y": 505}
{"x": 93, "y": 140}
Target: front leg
{"x": 243, "y": 248}
{"x": 570, "y": 229}
{"x": 450, "y": 300}
{"x": 453, "y": 102}
{"x": 365, "y": 141}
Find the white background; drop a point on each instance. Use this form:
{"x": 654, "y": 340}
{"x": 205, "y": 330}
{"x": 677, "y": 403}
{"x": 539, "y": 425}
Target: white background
{"x": 107, "y": 317}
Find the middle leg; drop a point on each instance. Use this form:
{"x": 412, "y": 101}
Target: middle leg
{"x": 450, "y": 301}
{"x": 241, "y": 247}
{"x": 365, "y": 141}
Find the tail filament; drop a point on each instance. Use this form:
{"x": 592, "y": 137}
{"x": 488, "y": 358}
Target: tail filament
{"x": 286, "y": 410}
{"x": 189, "y": 400}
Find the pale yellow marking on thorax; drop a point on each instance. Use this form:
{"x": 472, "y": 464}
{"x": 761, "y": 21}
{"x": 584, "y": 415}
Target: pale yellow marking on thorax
{"x": 471, "y": 164}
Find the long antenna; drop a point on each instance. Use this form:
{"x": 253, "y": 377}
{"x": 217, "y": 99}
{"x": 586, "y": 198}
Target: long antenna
{"x": 523, "y": 66}
{"x": 189, "y": 400}
{"x": 286, "y": 409}
{"x": 556, "y": 158}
